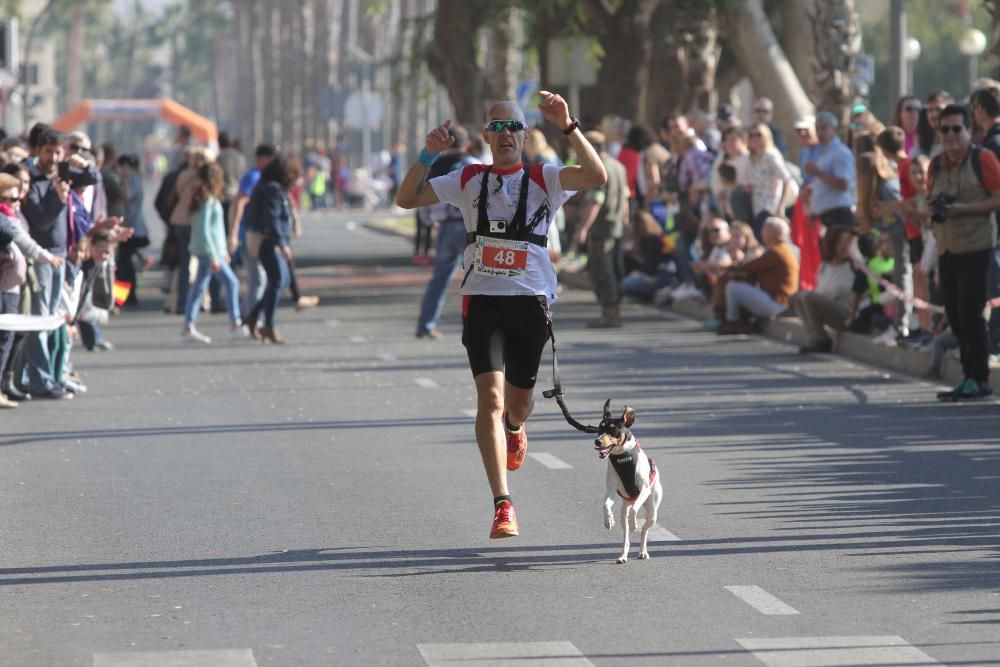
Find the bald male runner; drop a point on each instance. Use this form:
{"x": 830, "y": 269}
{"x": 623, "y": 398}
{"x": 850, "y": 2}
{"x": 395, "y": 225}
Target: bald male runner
{"x": 508, "y": 280}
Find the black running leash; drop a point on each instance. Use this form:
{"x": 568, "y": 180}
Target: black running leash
{"x": 557, "y": 391}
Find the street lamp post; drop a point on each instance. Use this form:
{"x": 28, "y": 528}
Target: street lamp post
{"x": 972, "y": 44}
{"x": 912, "y": 52}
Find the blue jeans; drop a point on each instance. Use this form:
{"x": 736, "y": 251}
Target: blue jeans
{"x": 276, "y": 269}
{"x": 450, "y": 249}
{"x": 90, "y": 334}
{"x": 183, "y": 265}
{"x": 9, "y": 302}
{"x": 204, "y": 276}
{"x": 255, "y": 278}
{"x": 39, "y": 374}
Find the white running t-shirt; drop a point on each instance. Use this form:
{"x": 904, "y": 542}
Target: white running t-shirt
{"x": 497, "y": 266}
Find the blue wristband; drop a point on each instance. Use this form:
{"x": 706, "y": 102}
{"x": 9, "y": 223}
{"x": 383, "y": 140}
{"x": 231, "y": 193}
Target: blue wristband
{"x": 427, "y": 159}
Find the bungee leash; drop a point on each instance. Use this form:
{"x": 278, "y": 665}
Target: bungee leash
{"x": 557, "y": 391}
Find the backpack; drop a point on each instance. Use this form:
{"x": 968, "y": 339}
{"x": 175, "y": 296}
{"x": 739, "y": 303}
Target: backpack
{"x": 165, "y": 201}
{"x": 977, "y": 167}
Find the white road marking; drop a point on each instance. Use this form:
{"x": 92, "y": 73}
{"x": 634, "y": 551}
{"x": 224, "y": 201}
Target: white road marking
{"x": 350, "y": 226}
{"x": 829, "y": 651}
{"x": 426, "y": 383}
{"x": 333, "y": 323}
{"x": 550, "y": 461}
{"x": 223, "y": 658}
{"x": 762, "y": 601}
{"x": 470, "y": 412}
{"x": 535, "y": 654}
{"x": 358, "y": 339}
{"x": 385, "y": 356}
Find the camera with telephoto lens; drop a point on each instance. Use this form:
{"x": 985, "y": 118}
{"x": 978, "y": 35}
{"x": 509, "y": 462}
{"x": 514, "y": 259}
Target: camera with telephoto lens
{"x": 939, "y": 206}
{"x": 78, "y": 176}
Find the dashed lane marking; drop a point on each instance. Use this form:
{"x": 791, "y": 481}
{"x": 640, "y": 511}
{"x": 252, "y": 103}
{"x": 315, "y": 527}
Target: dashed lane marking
{"x": 426, "y": 383}
{"x": 828, "y": 651}
{"x": 762, "y": 601}
{"x": 470, "y": 412}
{"x": 536, "y": 654}
{"x": 358, "y": 339}
{"x": 550, "y": 461}
{"x": 385, "y": 356}
{"x": 222, "y": 658}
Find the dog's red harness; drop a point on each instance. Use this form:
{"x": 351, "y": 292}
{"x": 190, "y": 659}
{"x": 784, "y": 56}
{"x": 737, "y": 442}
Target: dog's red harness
{"x": 621, "y": 466}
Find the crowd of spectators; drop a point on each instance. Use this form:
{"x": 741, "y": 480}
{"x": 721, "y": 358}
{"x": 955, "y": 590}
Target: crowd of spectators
{"x": 884, "y": 231}
{"x": 73, "y": 233}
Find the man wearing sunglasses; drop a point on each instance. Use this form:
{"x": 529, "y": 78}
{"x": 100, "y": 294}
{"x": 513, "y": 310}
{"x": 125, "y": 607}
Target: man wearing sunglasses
{"x": 965, "y": 194}
{"x": 508, "y": 280}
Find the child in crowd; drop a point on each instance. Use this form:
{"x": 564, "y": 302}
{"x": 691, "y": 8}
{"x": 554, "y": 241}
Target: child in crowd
{"x": 870, "y": 296}
{"x": 98, "y": 269}
{"x": 68, "y": 306}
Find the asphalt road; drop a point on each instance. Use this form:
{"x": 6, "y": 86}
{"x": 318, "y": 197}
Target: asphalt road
{"x": 323, "y": 503}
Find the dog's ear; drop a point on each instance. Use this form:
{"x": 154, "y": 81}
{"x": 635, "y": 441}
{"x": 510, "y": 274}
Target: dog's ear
{"x": 629, "y": 416}
{"x": 607, "y": 409}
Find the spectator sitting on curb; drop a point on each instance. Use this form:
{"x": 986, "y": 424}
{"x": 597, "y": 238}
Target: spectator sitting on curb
{"x": 776, "y": 273}
{"x": 829, "y": 304}
{"x": 870, "y": 296}
{"x": 743, "y": 247}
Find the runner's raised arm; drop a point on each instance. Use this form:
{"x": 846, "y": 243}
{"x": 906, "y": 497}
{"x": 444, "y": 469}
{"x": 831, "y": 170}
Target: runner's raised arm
{"x": 413, "y": 191}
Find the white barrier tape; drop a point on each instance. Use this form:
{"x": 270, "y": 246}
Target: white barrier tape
{"x": 30, "y": 323}
{"x": 899, "y": 295}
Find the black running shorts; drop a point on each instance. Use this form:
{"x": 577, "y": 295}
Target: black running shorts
{"x": 505, "y": 333}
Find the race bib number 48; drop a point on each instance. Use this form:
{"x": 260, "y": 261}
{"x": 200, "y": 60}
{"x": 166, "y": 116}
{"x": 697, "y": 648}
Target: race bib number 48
{"x": 501, "y": 258}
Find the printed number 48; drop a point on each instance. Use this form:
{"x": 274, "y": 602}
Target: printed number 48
{"x": 505, "y": 257}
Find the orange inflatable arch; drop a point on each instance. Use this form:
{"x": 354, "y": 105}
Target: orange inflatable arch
{"x": 202, "y": 129}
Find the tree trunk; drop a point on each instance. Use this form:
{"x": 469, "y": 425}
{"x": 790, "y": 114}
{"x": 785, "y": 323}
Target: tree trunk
{"x": 242, "y": 25}
{"x": 303, "y": 37}
{"x": 255, "y": 46}
{"x": 697, "y": 42}
{"x": 623, "y": 80}
{"x": 836, "y": 34}
{"x": 269, "y": 56}
{"x": 798, "y": 42}
{"x": 749, "y": 36}
{"x": 321, "y": 66}
{"x": 502, "y": 55}
{"x": 286, "y": 98}
{"x": 993, "y": 50}
{"x": 452, "y": 57}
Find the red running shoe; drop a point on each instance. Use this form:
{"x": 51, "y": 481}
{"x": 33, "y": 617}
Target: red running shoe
{"x": 504, "y": 522}
{"x": 517, "y": 445}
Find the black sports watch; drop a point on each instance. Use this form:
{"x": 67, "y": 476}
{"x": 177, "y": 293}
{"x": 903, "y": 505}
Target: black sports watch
{"x": 574, "y": 125}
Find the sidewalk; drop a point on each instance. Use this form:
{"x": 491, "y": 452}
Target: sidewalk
{"x": 861, "y": 348}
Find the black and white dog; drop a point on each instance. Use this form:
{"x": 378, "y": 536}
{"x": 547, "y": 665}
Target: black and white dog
{"x": 631, "y": 475}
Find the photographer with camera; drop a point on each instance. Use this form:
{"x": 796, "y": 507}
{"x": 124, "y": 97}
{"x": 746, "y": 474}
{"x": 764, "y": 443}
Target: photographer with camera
{"x": 51, "y": 226}
{"x": 964, "y": 195}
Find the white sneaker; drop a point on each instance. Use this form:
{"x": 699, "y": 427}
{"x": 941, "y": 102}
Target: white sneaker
{"x": 239, "y": 331}
{"x": 74, "y": 386}
{"x": 194, "y": 336}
